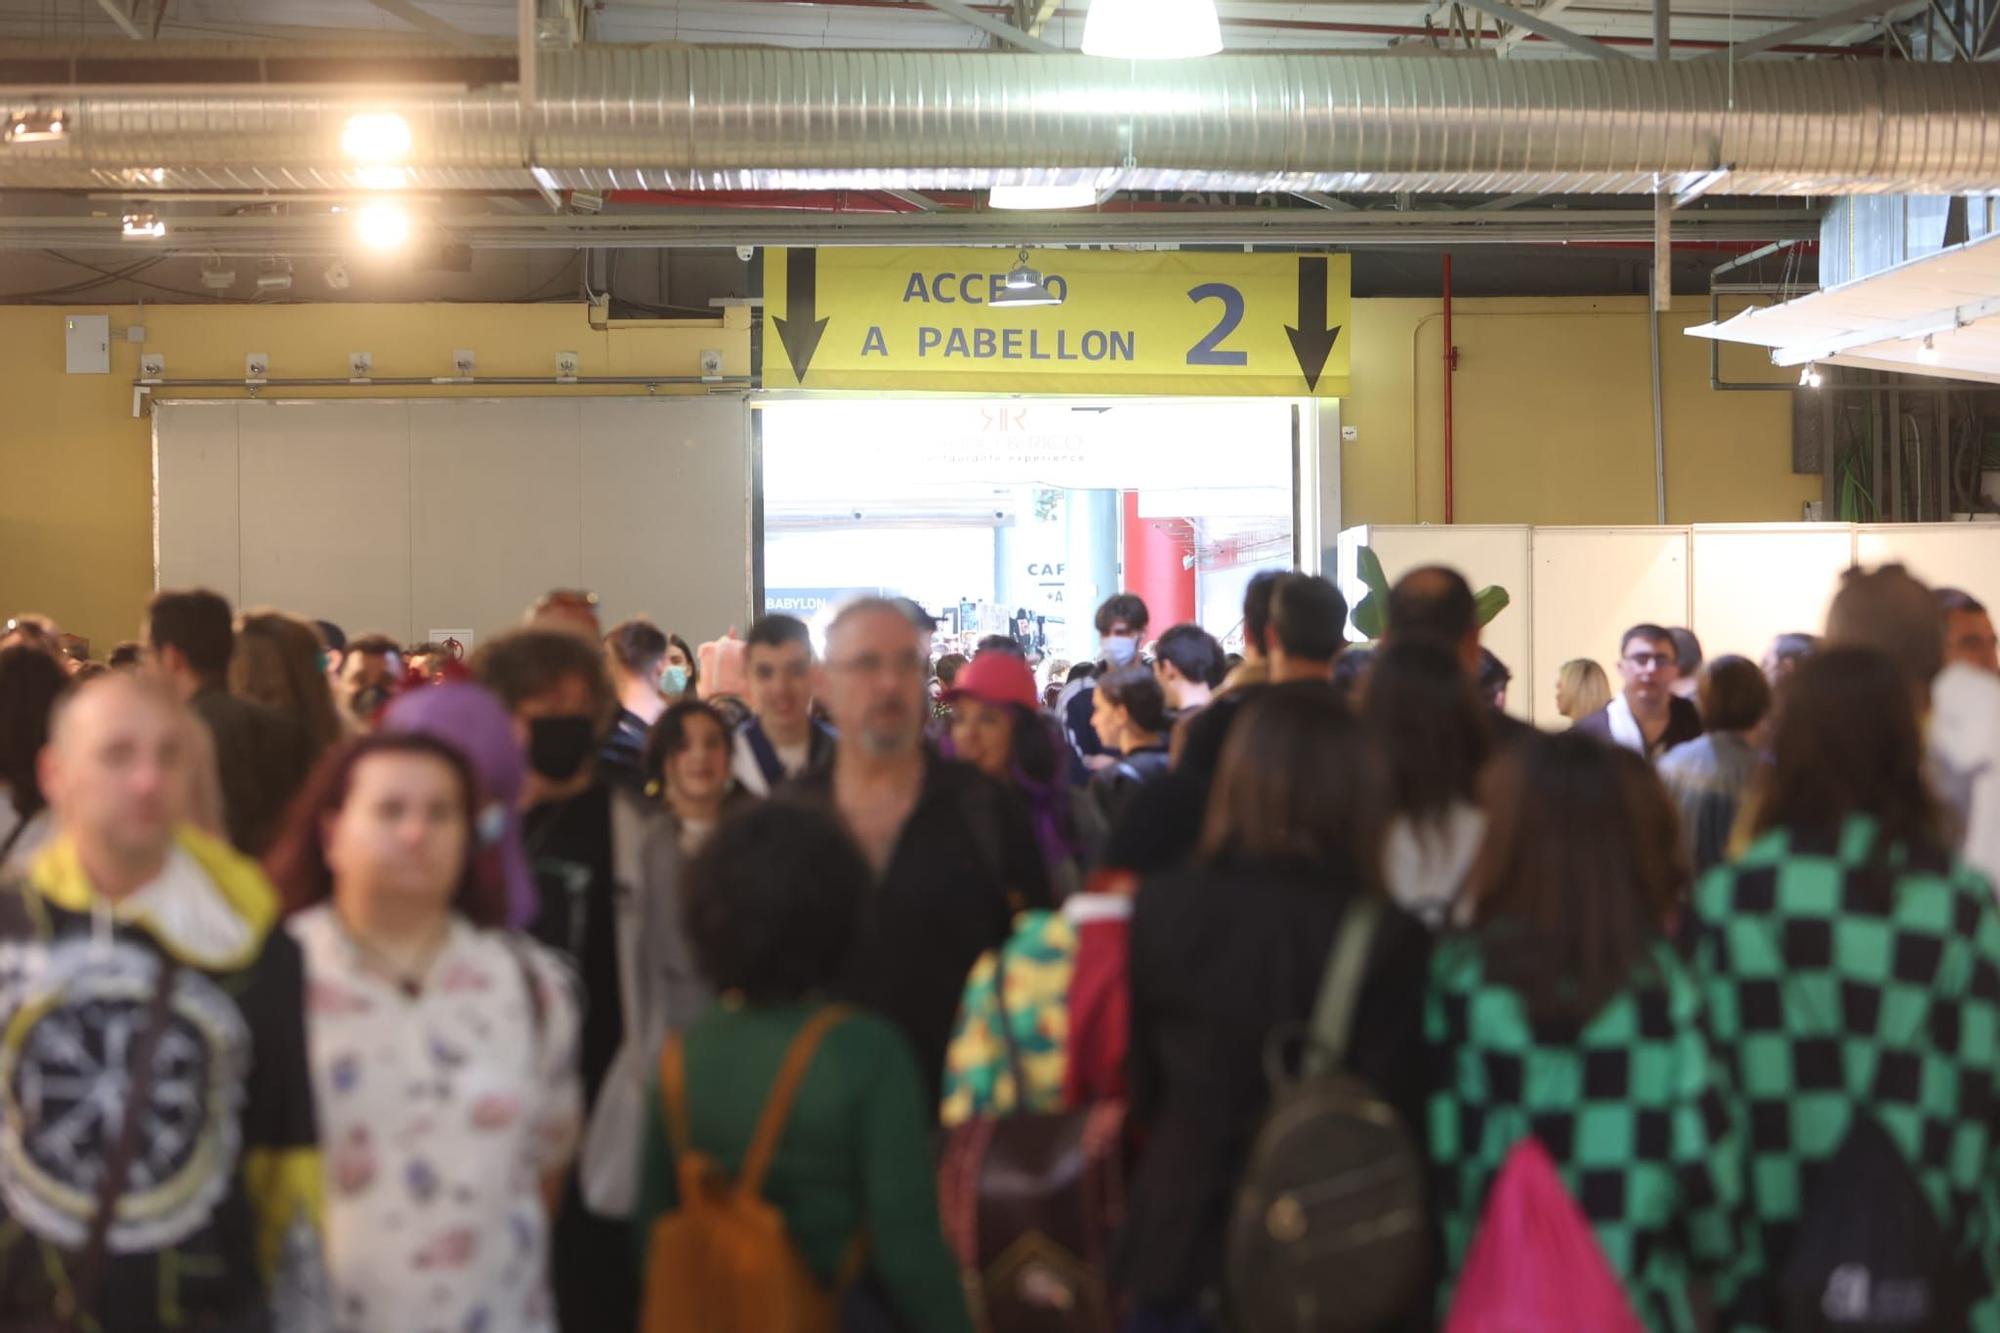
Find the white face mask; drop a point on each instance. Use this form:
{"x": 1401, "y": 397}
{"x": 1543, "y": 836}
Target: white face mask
{"x": 1119, "y": 650}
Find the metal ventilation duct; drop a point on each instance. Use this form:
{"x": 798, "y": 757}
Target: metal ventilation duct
{"x": 728, "y": 118}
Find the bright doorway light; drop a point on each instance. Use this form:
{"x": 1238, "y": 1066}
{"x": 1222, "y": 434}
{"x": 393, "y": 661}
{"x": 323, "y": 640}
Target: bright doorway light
{"x": 1152, "y": 29}
{"x": 376, "y": 136}
{"x": 383, "y": 226}
{"x": 1042, "y": 197}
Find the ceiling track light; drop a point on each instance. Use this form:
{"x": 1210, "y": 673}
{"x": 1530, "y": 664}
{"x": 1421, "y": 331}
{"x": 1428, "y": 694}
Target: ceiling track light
{"x": 1928, "y": 352}
{"x": 1810, "y": 378}
{"x": 1024, "y": 287}
{"x": 215, "y": 276}
{"x": 143, "y": 227}
{"x": 34, "y": 127}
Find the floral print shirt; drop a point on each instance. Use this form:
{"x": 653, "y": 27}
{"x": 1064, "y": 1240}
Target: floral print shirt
{"x": 439, "y": 1113}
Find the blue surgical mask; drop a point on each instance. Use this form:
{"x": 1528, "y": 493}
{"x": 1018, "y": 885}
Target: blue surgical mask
{"x": 1119, "y": 650}
{"x": 673, "y": 680}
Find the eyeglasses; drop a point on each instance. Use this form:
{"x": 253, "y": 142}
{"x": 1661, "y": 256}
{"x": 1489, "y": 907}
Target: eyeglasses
{"x": 1644, "y": 660}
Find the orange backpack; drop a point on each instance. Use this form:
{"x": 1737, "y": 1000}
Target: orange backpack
{"x": 722, "y": 1262}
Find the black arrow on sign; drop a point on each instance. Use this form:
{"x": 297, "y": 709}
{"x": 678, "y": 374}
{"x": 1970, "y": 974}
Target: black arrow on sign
{"x": 801, "y": 333}
{"x": 1312, "y": 340}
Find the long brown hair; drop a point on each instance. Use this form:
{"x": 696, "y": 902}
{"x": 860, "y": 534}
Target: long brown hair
{"x": 277, "y": 663}
{"x": 1429, "y": 725}
{"x": 1848, "y": 743}
{"x": 297, "y": 862}
{"x": 1581, "y": 868}
{"x": 1297, "y": 789}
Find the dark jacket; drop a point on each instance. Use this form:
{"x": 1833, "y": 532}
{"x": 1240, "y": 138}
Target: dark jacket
{"x": 1683, "y": 725}
{"x": 1221, "y": 958}
{"x": 965, "y": 863}
{"x": 261, "y": 756}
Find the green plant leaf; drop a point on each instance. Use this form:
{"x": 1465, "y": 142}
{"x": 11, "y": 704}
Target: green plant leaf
{"x": 1369, "y": 566}
{"x": 1489, "y": 603}
{"x": 1370, "y": 616}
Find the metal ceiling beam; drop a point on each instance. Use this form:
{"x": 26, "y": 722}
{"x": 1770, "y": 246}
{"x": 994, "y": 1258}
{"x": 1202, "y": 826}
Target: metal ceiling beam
{"x": 1839, "y": 18}
{"x": 922, "y": 202}
{"x": 322, "y": 234}
{"x": 1554, "y": 32}
{"x": 421, "y": 19}
{"x": 1513, "y": 37}
{"x": 993, "y": 27}
{"x": 1040, "y": 13}
{"x": 1320, "y": 200}
{"x": 126, "y": 23}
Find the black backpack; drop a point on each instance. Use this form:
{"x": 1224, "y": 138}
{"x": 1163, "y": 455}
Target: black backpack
{"x": 1329, "y": 1231}
{"x": 1869, "y": 1256}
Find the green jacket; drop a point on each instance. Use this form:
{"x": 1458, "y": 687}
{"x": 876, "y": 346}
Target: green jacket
{"x": 1838, "y": 977}
{"x": 1632, "y": 1109}
{"x": 855, "y": 1155}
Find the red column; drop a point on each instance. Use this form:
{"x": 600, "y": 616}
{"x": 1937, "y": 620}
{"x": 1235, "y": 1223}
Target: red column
{"x": 1157, "y": 565}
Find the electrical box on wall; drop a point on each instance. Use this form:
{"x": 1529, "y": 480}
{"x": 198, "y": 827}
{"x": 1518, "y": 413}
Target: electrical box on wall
{"x": 87, "y": 344}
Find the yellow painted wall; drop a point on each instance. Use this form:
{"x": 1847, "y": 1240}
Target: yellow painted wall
{"x": 1554, "y": 418}
{"x": 76, "y": 529}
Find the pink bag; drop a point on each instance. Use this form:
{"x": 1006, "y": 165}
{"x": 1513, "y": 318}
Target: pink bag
{"x": 1534, "y": 1265}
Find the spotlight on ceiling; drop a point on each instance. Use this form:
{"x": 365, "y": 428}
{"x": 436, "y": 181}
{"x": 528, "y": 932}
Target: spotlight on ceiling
{"x": 216, "y": 276}
{"x": 1810, "y": 378}
{"x": 1152, "y": 29}
{"x": 274, "y": 275}
{"x": 383, "y": 226}
{"x": 1024, "y": 287}
{"x": 336, "y": 276}
{"x": 33, "y": 127}
{"x": 376, "y": 136}
{"x": 144, "y": 227}
{"x": 1046, "y": 198}
{"x": 1928, "y": 353}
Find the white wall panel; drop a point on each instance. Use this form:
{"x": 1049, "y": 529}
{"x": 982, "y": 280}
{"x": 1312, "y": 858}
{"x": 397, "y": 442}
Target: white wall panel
{"x": 669, "y": 498}
{"x": 408, "y": 516}
{"x": 326, "y": 511}
{"x": 1944, "y": 555}
{"x": 196, "y": 542}
{"x": 1752, "y": 584}
{"x": 1591, "y": 585}
{"x": 497, "y": 499}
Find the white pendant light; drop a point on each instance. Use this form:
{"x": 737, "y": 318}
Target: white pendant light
{"x": 1152, "y": 29}
{"x": 1042, "y": 197}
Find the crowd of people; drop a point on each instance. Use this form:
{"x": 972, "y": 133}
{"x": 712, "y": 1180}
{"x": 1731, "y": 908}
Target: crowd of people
{"x": 602, "y": 982}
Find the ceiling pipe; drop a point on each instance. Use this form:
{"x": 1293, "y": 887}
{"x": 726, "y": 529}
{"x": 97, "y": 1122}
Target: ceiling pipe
{"x": 730, "y": 118}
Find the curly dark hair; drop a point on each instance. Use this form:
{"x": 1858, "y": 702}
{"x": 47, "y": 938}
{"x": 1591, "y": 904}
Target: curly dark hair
{"x": 297, "y": 862}
{"x": 30, "y": 684}
{"x": 771, "y": 902}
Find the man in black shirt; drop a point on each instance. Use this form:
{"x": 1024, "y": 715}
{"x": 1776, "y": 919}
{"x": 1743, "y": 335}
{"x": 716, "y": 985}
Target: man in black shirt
{"x": 554, "y": 684}
{"x": 953, "y": 851}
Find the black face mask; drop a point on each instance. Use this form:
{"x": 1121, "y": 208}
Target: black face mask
{"x": 559, "y": 746}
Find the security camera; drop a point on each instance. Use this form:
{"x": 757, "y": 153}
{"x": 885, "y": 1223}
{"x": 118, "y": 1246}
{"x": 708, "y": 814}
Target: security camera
{"x": 746, "y": 253}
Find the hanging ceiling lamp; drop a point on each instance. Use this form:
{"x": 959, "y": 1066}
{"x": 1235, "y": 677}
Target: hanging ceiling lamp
{"x": 1152, "y": 29}
{"x": 1024, "y": 287}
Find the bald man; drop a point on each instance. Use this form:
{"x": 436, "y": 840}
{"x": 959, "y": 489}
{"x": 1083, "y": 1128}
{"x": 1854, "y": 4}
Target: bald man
{"x": 954, "y": 853}
{"x": 167, "y": 1167}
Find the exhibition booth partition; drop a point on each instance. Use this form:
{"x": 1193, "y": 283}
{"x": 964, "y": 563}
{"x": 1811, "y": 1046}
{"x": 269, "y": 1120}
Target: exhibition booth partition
{"x": 1574, "y": 591}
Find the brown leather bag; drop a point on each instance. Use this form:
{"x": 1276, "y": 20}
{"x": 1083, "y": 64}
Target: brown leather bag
{"x": 1030, "y": 1203}
{"x": 724, "y": 1261}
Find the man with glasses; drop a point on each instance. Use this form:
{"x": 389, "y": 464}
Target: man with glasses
{"x": 1648, "y": 719}
{"x": 953, "y": 851}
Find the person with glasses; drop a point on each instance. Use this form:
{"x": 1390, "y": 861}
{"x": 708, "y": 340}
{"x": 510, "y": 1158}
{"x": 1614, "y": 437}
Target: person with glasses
{"x": 1648, "y": 718}
{"x": 953, "y": 852}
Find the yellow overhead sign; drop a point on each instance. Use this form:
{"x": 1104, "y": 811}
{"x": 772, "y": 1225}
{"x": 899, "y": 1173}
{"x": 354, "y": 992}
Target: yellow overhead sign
{"x": 1174, "y": 322}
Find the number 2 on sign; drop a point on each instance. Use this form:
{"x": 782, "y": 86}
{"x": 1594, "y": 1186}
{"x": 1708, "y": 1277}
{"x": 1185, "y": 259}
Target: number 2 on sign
{"x": 1208, "y": 352}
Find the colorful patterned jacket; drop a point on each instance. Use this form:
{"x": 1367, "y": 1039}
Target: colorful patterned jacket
{"x": 218, "y": 1226}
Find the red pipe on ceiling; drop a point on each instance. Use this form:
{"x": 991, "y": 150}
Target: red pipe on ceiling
{"x": 1450, "y": 365}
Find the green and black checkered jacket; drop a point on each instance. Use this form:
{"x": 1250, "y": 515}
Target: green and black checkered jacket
{"x": 1836, "y": 977}
{"x": 1633, "y": 1109}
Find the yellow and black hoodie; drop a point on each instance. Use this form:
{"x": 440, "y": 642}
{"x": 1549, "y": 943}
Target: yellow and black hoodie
{"x": 218, "y": 1224}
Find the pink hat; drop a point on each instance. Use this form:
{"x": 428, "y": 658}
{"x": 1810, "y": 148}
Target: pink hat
{"x": 996, "y": 678}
